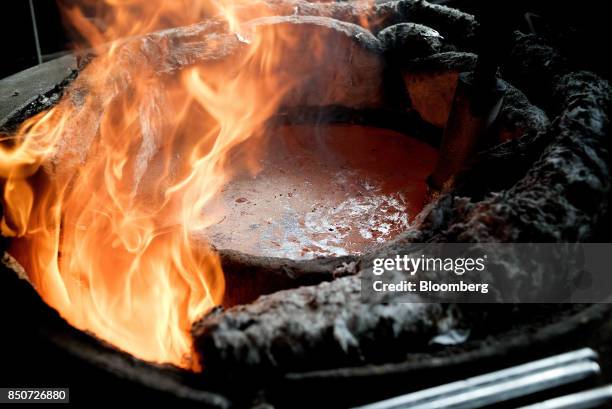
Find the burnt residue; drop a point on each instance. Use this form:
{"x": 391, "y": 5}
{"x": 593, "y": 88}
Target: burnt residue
{"x": 431, "y": 82}
{"x": 46, "y": 100}
{"x": 456, "y": 26}
{"x": 330, "y": 327}
{"x": 534, "y": 65}
{"x": 41, "y": 103}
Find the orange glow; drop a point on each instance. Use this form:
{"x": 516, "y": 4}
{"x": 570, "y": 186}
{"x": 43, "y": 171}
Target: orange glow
{"x": 103, "y": 192}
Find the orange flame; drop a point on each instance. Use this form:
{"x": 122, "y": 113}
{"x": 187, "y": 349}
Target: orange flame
{"x": 103, "y": 193}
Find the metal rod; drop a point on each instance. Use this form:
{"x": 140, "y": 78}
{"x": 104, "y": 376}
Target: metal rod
{"x": 35, "y": 30}
{"x": 582, "y": 400}
{"x": 439, "y": 392}
{"x": 515, "y": 388}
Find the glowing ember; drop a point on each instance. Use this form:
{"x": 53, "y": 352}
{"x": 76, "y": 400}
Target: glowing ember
{"x": 322, "y": 191}
{"x": 110, "y": 253}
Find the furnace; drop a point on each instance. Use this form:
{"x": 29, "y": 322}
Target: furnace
{"x": 191, "y": 204}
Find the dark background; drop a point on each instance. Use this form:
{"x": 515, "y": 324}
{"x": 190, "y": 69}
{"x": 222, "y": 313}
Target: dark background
{"x": 581, "y": 28}
{"x": 17, "y": 34}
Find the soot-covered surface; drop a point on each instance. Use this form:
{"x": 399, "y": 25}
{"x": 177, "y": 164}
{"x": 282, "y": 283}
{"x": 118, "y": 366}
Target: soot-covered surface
{"x": 323, "y": 191}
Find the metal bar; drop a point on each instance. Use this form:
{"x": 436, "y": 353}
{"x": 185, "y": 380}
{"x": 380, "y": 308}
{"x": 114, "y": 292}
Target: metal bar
{"x": 582, "y": 400}
{"x": 454, "y": 388}
{"x": 515, "y": 388}
{"x": 35, "y": 30}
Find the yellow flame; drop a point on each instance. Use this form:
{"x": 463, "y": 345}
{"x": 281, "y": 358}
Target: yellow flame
{"x": 103, "y": 192}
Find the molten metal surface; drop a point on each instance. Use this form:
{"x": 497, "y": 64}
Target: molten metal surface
{"x": 324, "y": 191}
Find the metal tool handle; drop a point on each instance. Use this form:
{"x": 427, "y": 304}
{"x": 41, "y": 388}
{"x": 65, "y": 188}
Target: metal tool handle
{"x": 541, "y": 374}
{"x": 583, "y": 400}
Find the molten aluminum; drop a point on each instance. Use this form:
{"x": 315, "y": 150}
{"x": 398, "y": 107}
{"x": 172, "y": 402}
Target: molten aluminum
{"x": 324, "y": 191}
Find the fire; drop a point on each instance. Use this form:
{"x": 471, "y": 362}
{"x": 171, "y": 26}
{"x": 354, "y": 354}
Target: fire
{"x": 102, "y": 194}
